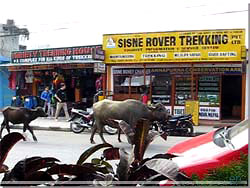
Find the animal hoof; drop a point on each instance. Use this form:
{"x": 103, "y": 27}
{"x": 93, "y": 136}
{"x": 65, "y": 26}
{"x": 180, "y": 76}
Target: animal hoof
{"x": 92, "y": 142}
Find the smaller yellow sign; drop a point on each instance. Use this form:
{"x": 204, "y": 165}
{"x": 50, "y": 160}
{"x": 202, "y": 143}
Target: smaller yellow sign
{"x": 100, "y": 98}
{"x": 192, "y": 107}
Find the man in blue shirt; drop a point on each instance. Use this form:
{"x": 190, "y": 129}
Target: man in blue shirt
{"x": 46, "y": 97}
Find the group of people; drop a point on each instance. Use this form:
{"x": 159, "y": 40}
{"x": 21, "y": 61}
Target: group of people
{"x": 57, "y": 99}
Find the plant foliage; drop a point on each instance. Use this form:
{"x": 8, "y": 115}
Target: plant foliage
{"x": 132, "y": 168}
{"x": 235, "y": 172}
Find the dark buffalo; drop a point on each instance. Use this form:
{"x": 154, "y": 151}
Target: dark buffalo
{"x": 18, "y": 115}
{"x": 129, "y": 111}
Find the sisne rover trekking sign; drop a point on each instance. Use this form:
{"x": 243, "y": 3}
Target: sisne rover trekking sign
{"x": 183, "y": 46}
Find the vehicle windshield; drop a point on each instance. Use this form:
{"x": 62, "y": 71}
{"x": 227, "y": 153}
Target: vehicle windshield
{"x": 232, "y": 137}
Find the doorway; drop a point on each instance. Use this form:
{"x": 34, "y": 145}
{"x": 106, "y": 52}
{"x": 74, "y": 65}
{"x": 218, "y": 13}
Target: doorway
{"x": 231, "y": 93}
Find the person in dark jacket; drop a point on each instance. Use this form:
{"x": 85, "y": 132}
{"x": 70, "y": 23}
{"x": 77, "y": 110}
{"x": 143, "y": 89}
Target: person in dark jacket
{"x": 61, "y": 98}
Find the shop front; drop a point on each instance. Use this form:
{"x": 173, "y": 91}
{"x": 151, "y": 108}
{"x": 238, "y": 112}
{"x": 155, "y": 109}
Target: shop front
{"x": 173, "y": 67}
{"x": 32, "y": 70}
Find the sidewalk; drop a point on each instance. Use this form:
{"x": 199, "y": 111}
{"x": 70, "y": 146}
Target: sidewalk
{"x": 43, "y": 123}
{"x": 62, "y": 125}
{"x": 51, "y": 124}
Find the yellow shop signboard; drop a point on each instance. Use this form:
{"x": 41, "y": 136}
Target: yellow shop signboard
{"x": 182, "y": 46}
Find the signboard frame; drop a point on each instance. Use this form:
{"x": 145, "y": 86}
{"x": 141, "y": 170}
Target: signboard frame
{"x": 52, "y": 55}
{"x": 177, "y": 46}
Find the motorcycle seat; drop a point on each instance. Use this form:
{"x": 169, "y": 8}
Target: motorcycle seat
{"x": 185, "y": 116}
{"x": 82, "y": 112}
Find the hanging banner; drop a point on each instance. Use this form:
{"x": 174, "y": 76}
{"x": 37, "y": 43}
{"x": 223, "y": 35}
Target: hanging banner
{"x": 99, "y": 67}
{"x": 179, "y": 70}
{"x": 209, "y": 113}
{"x": 51, "y": 66}
{"x": 178, "y": 110}
{"x": 192, "y": 107}
{"x": 183, "y": 46}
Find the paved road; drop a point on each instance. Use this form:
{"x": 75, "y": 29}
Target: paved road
{"x": 67, "y": 146}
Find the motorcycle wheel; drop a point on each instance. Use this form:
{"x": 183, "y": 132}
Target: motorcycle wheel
{"x": 110, "y": 130}
{"x": 75, "y": 128}
{"x": 187, "y": 125}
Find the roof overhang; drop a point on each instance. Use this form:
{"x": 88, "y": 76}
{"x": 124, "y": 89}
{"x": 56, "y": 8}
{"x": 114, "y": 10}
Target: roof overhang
{"x": 50, "y": 63}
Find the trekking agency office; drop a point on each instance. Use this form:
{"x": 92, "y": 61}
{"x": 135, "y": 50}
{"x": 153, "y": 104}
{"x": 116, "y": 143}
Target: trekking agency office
{"x": 204, "y": 65}
{"x": 79, "y": 67}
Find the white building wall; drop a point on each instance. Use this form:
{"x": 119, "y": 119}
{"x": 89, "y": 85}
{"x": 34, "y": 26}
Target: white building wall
{"x": 247, "y": 114}
{"x": 7, "y": 43}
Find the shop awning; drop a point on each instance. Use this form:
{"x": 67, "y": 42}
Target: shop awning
{"x": 48, "y": 63}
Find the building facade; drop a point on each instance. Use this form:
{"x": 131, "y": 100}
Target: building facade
{"x": 9, "y": 37}
{"x": 205, "y": 65}
{"x": 9, "y": 41}
{"x": 78, "y": 67}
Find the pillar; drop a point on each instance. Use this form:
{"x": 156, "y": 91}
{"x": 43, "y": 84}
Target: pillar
{"x": 78, "y": 95}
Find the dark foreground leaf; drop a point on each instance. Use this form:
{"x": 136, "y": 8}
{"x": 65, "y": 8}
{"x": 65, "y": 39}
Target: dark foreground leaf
{"x": 123, "y": 166}
{"x": 7, "y": 143}
{"x": 102, "y": 166}
{"x": 37, "y": 164}
{"x": 40, "y": 176}
{"x": 111, "y": 154}
{"x": 165, "y": 167}
{"x": 27, "y": 167}
{"x": 3, "y": 168}
{"x": 141, "y": 173}
{"x": 64, "y": 169}
{"x": 164, "y": 156}
{"x": 141, "y": 134}
{"x": 90, "y": 151}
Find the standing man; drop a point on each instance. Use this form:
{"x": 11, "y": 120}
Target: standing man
{"x": 46, "y": 97}
{"x": 61, "y": 98}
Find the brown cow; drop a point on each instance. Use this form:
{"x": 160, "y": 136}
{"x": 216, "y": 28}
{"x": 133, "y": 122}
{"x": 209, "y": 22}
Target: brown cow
{"x": 18, "y": 115}
{"x": 129, "y": 111}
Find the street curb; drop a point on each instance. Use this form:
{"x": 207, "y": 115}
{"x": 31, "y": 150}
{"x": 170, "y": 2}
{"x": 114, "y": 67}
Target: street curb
{"x": 65, "y": 129}
{"x": 43, "y": 128}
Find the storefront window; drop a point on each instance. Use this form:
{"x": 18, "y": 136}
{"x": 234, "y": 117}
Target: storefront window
{"x": 183, "y": 90}
{"x": 161, "y": 90}
{"x": 125, "y": 83}
{"x": 137, "y": 82}
{"x": 209, "y": 90}
{"x": 121, "y": 84}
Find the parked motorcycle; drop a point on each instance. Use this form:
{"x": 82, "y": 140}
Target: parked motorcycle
{"x": 176, "y": 125}
{"x": 81, "y": 120}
